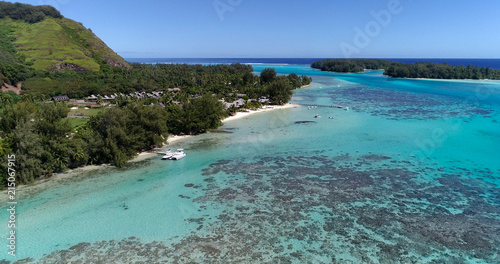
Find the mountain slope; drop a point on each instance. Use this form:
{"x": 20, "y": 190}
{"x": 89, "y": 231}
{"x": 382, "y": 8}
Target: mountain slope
{"x": 49, "y": 42}
{"x": 60, "y": 43}
{"x": 12, "y": 66}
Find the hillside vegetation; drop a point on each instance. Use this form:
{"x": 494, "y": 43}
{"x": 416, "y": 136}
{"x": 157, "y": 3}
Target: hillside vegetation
{"x": 50, "y": 42}
{"x": 12, "y": 65}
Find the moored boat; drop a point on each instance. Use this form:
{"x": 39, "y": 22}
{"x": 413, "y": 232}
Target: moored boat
{"x": 168, "y": 155}
{"x": 179, "y": 154}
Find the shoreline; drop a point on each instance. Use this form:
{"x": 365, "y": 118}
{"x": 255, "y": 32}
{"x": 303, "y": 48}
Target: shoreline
{"x": 267, "y": 108}
{"x": 48, "y": 182}
{"x": 449, "y": 80}
{"x": 151, "y": 153}
{"x": 424, "y": 79}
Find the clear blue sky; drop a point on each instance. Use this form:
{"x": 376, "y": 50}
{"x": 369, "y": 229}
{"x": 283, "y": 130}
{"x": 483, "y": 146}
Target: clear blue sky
{"x": 291, "y": 28}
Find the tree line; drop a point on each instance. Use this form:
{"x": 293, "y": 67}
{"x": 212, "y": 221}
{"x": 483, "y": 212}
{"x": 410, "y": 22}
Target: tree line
{"x": 29, "y": 13}
{"x": 351, "y": 65}
{"x": 412, "y": 70}
{"x": 441, "y": 71}
{"x": 222, "y": 80}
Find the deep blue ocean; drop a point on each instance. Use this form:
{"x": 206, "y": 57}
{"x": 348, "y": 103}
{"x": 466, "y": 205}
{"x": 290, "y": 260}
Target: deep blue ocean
{"x": 492, "y": 63}
{"x": 410, "y": 173}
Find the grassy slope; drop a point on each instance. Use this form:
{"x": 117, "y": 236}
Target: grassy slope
{"x": 6, "y": 52}
{"x": 56, "y": 41}
{"x": 9, "y": 58}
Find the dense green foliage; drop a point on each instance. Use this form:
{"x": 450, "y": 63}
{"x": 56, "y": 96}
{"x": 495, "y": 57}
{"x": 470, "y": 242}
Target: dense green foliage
{"x": 268, "y": 75}
{"x": 413, "y": 70}
{"x": 196, "y": 116}
{"x": 28, "y": 13}
{"x": 120, "y": 132}
{"x": 44, "y": 142}
{"x": 280, "y": 88}
{"x": 13, "y": 68}
{"x": 440, "y": 71}
{"x": 351, "y": 65}
{"x": 222, "y": 80}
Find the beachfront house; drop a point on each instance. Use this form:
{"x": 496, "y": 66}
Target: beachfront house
{"x": 264, "y": 100}
{"x": 238, "y": 103}
{"x": 61, "y": 98}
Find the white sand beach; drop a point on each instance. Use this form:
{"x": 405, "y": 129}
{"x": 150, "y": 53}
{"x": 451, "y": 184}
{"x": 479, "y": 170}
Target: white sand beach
{"x": 172, "y": 138}
{"x": 240, "y": 115}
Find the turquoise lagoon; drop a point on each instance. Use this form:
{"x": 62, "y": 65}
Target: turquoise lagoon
{"x": 410, "y": 174}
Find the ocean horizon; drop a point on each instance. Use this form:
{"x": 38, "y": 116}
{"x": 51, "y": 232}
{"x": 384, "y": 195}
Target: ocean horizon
{"x": 492, "y": 63}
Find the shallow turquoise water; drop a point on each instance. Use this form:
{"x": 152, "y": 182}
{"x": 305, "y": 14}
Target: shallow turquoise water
{"x": 410, "y": 174}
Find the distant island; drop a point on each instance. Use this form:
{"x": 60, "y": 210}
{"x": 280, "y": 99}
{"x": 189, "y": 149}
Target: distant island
{"x": 413, "y": 70}
{"x": 351, "y": 65}
{"x": 68, "y": 100}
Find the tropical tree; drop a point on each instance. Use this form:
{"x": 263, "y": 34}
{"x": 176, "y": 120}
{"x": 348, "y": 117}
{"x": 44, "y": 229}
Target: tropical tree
{"x": 267, "y": 75}
{"x": 280, "y": 91}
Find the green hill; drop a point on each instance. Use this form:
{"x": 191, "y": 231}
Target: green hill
{"x": 58, "y": 43}
{"x": 46, "y": 41}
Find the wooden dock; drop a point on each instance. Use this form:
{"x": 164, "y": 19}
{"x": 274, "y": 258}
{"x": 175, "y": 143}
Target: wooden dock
{"x": 319, "y": 105}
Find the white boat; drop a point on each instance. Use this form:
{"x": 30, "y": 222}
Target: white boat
{"x": 179, "y": 154}
{"x": 168, "y": 155}
{"x": 317, "y": 116}
{"x": 347, "y": 108}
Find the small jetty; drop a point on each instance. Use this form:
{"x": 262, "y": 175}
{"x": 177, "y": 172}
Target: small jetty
{"x": 320, "y": 105}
